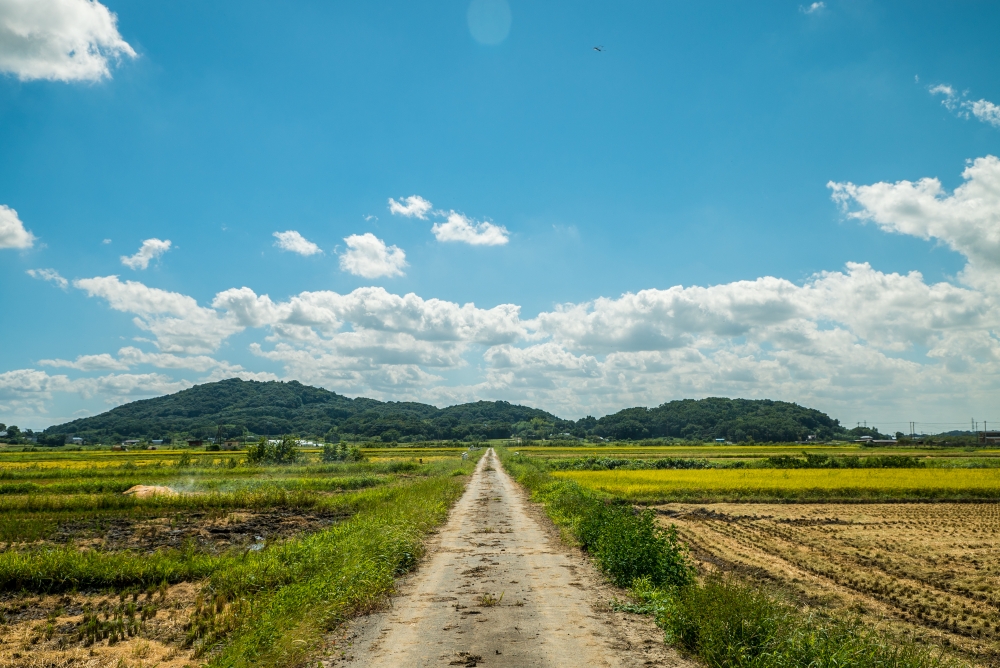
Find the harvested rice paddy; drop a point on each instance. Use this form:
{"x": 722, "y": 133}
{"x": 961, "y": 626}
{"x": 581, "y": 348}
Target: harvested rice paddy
{"x": 927, "y": 571}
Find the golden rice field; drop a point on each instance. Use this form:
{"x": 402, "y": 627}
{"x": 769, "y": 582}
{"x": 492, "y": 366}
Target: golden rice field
{"x": 729, "y": 452}
{"x": 649, "y": 486}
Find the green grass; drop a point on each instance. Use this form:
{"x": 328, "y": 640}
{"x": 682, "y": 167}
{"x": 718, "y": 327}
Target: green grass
{"x": 624, "y": 543}
{"x": 256, "y": 608}
{"x": 286, "y": 598}
{"x": 728, "y": 622}
{"x": 724, "y": 621}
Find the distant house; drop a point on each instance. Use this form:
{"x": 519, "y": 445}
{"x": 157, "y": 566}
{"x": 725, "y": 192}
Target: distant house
{"x": 230, "y": 445}
{"x": 76, "y": 440}
{"x": 989, "y": 437}
{"x": 195, "y": 443}
{"x": 720, "y": 440}
{"x": 130, "y": 442}
{"x": 868, "y": 440}
{"x": 157, "y": 442}
{"x": 119, "y": 448}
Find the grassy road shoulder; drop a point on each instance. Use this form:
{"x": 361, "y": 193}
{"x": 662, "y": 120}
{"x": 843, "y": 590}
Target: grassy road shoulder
{"x": 262, "y": 603}
{"x": 723, "y": 620}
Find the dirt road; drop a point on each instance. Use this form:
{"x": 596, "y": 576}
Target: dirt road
{"x": 498, "y": 588}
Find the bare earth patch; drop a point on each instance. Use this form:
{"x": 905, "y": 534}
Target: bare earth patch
{"x": 211, "y": 532}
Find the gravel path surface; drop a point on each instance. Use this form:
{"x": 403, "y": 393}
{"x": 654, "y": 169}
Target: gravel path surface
{"x": 498, "y": 588}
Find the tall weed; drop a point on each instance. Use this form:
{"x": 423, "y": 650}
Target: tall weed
{"x": 730, "y": 623}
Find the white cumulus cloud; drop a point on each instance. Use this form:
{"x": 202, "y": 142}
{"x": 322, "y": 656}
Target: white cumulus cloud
{"x": 460, "y": 228}
{"x": 967, "y": 220}
{"x": 177, "y": 321}
{"x": 296, "y": 243}
{"x": 101, "y": 362}
{"x": 50, "y": 275}
{"x": 413, "y": 206}
{"x": 60, "y": 40}
{"x": 368, "y": 256}
{"x": 813, "y": 8}
{"x": 150, "y": 250}
{"x": 12, "y": 232}
{"x": 856, "y": 342}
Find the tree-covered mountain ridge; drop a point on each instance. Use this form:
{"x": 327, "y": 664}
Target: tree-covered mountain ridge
{"x": 247, "y": 407}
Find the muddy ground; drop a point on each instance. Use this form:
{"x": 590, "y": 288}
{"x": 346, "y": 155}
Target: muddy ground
{"x": 50, "y": 631}
{"x": 210, "y": 532}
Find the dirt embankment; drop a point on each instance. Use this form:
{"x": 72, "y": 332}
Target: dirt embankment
{"x": 499, "y": 588}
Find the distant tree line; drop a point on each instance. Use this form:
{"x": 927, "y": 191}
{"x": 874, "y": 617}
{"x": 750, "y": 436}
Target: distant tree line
{"x": 246, "y": 410}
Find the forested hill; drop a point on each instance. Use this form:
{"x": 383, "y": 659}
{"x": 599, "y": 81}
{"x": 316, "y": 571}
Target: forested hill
{"x": 282, "y": 408}
{"x": 273, "y": 408}
{"x": 737, "y": 420}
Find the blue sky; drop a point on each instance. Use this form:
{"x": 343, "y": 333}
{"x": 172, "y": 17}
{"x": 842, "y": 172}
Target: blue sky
{"x": 765, "y": 157}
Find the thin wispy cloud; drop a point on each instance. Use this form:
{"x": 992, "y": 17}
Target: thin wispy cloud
{"x": 813, "y": 8}
{"x": 50, "y": 275}
{"x": 296, "y": 243}
{"x": 12, "y": 232}
{"x": 960, "y": 104}
{"x": 59, "y": 40}
{"x": 369, "y": 257}
{"x": 150, "y": 250}
{"x": 413, "y": 206}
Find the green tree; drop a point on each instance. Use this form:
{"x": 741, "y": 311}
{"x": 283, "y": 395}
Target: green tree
{"x": 285, "y": 451}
